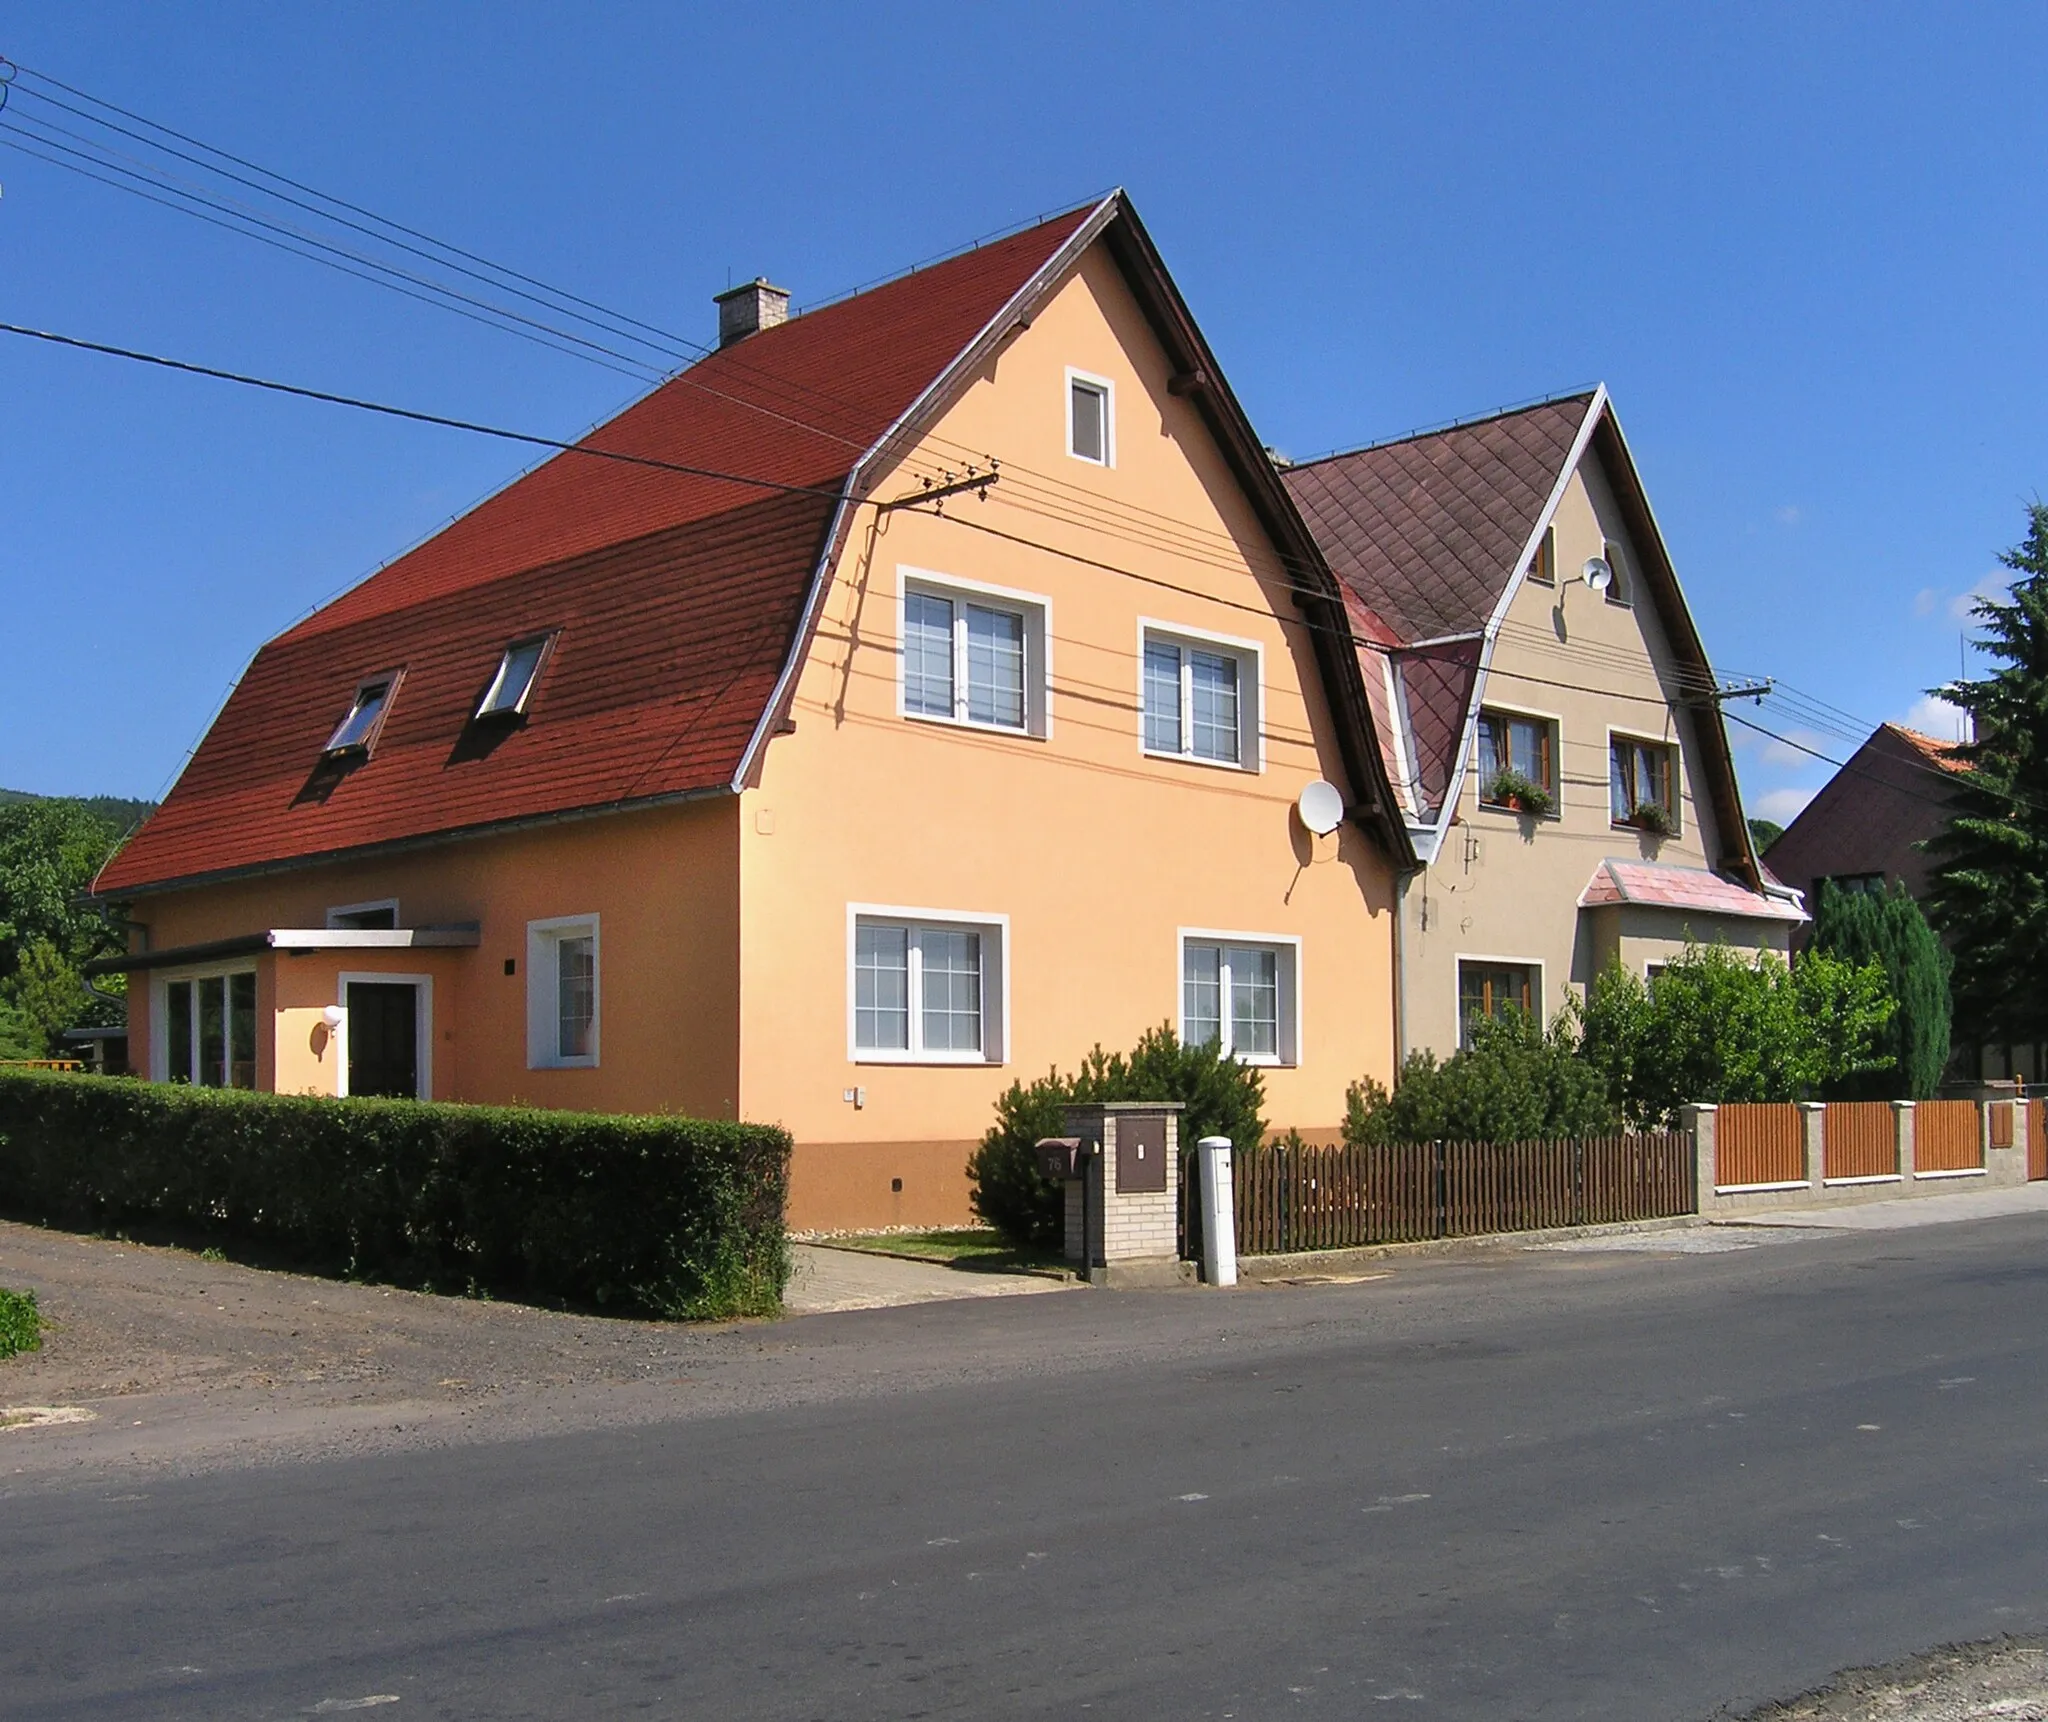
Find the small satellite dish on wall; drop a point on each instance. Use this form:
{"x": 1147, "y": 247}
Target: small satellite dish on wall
{"x": 1597, "y": 574}
{"x": 1321, "y": 807}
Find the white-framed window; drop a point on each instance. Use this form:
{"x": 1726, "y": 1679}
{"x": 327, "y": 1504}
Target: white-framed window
{"x": 358, "y": 730}
{"x": 379, "y": 914}
{"x": 1199, "y": 696}
{"x": 207, "y": 1029}
{"x": 1241, "y": 992}
{"x": 925, "y": 986}
{"x": 1091, "y": 418}
{"x": 563, "y": 993}
{"x": 974, "y": 654}
{"x": 518, "y": 672}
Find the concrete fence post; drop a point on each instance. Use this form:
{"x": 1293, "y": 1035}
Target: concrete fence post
{"x": 1698, "y": 1123}
{"x": 1813, "y": 1124}
{"x": 1219, "y": 1210}
{"x": 1902, "y": 1137}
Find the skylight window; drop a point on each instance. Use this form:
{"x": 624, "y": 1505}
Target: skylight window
{"x": 357, "y": 732}
{"x": 513, "y": 685}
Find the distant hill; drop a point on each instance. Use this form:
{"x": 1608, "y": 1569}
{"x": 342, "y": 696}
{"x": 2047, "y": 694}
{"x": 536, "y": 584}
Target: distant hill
{"x": 117, "y": 810}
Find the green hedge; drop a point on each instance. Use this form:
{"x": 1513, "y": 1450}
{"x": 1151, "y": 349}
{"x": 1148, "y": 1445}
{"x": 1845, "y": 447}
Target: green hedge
{"x": 21, "y": 1326}
{"x": 676, "y": 1217}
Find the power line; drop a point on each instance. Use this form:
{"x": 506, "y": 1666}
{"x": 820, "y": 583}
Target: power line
{"x": 417, "y": 417}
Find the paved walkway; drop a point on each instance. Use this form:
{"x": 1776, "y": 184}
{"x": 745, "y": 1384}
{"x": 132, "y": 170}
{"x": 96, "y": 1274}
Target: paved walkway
{"x": 1907, "y": 1211}
{"x": 826, "y": 1280}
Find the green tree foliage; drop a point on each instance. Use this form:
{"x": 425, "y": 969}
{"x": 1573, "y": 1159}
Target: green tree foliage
{"x": 1989, "y": 896}
{"x": 1512, "y": 1082}
{"x": 1863, "y": 927}
{"x": 1716, "y": 1026}
{"x": 49, "y": 852}
{"x": 1218, "y": 1096}
{"x": 1764, "y": 832}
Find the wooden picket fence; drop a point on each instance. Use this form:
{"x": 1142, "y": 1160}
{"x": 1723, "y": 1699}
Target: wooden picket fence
{"x": 1310, "y": 1198}
{"x": 1860, "y": 1140}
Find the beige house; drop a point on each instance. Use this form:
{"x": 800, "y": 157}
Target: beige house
{"x": 1547, "y": 710}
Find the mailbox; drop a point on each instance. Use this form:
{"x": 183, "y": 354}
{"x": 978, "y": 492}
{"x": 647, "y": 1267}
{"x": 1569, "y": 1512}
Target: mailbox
{"x": 1060, "y": 1157}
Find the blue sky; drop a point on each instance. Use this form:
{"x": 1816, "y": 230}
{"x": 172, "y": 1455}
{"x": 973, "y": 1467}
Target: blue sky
{"x": 1801, "y": 246}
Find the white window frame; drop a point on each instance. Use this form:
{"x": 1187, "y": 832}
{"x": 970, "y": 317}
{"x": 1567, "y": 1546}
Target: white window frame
{"x": 422, "y": 1025}
{"x": 544, "y": 996}
{"x": 1107, "y": 388}
{"x": 1251, "y": 693}
{"x": 1036, "y": 610}
{"x": 1288, "y": 1031}
{"x": 995, "y": 983}
{"x": 1536, "y": 991}
{"x": 160, "y": 1012}
{"x": 337, "y": 915}
{"x": 517, "y": 709}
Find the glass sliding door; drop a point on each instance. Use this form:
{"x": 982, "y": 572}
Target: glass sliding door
{"x": 209, "y": 1029}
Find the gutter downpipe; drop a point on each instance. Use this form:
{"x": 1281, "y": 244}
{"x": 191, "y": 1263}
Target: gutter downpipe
{"x": 1400, "y": 977}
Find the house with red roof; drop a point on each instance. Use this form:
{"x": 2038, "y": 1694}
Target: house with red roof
{"x": 906, "y": 697}
{"x": 1545, "y": 710}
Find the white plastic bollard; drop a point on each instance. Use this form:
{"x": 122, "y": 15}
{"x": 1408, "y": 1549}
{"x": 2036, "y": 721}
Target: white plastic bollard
{"x": 1219, "y": 1211}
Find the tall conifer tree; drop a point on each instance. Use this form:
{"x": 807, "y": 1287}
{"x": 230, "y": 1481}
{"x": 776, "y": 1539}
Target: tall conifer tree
{"x": 1989, "y": 897}
{"x": 1889, "y": 930}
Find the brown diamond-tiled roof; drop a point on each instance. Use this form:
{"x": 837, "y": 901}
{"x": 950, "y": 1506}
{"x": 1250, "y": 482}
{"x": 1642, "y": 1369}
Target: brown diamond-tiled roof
{"x": 1428, "y": 531}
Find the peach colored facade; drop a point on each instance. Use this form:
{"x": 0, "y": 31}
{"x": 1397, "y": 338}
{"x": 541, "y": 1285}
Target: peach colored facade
{"x": 725, "y": 956}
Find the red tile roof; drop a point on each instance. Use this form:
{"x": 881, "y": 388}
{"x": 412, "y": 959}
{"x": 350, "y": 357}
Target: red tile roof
{"x": 678, "y": 599}
{"x": 1652, "y": 885}
{"x": 1941, "y": 753}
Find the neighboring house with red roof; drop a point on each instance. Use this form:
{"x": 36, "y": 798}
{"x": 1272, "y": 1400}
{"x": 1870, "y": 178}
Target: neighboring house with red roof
{"x": 1865, "y": 827}
{"x": 716, "y": 767}
{"x": 1865, "y": 831}
{"x": 1544, "y": 705}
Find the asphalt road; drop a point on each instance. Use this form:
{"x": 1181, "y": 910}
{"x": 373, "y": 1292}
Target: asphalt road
{"x": 1609, "y": 1484}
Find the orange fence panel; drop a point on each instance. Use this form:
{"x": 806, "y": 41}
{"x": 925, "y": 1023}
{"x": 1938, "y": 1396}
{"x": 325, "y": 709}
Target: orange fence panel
{"x": 1862, "y": 1140}
{"x": 2037, "y": 1138}
{"x": 2001, "y": 1123}
{"x": 1758, "y": 1146}
{"x": 1948, "y": 1136}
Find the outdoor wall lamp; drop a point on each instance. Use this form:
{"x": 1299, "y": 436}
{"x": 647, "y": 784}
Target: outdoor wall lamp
{"x": 334, "y": 1016}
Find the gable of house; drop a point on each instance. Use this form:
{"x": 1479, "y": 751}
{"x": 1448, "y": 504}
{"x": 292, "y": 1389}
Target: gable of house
{"x": 1869, "y": 820}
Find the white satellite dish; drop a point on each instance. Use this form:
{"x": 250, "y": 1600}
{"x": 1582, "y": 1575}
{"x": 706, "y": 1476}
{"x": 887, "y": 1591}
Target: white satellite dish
{"x": 1597, "y": 574}
{"x": 1321, "y": 807}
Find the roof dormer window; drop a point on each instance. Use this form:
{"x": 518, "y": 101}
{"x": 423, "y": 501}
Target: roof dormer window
{"x": 518, "y": 672}
{"x": 357, "y": 733}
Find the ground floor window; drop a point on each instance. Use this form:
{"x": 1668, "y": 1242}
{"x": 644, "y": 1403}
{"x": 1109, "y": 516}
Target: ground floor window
{"x": 926, "y": 990}
{"x": 1239, "y": 997}
{"x": 1492, "y": 989}
{"x": 563, "y": 993}
{"x": 210, "y": 1030}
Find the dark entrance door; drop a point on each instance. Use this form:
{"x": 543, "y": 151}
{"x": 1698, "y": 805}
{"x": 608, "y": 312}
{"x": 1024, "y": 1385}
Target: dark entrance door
{"x": 383, "y": 1039}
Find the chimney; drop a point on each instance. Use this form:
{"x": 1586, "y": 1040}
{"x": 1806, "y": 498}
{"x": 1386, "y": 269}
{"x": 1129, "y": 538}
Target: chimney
{"x": 744, "y": 311}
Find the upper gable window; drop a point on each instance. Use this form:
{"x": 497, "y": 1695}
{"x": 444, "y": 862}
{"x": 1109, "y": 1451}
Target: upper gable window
{"x": 1543, "y": 566}
{"x": 974, "y": 655}
{"x": 357, "y": 732}
{"x": 1091, "y": 418}
{"x": 518, "y": 671}
{"x": 1617, "y": 588}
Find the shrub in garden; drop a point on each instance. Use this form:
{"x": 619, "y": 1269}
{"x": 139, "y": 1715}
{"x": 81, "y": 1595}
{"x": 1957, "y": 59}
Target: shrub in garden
{"x": 1218, "y": 1096}
{"x": 677, "y": 1217}
{"x": 1511, "y": 1082}
{"x": 1718, "y": 1025}
{"x": 21, "y": 1327}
